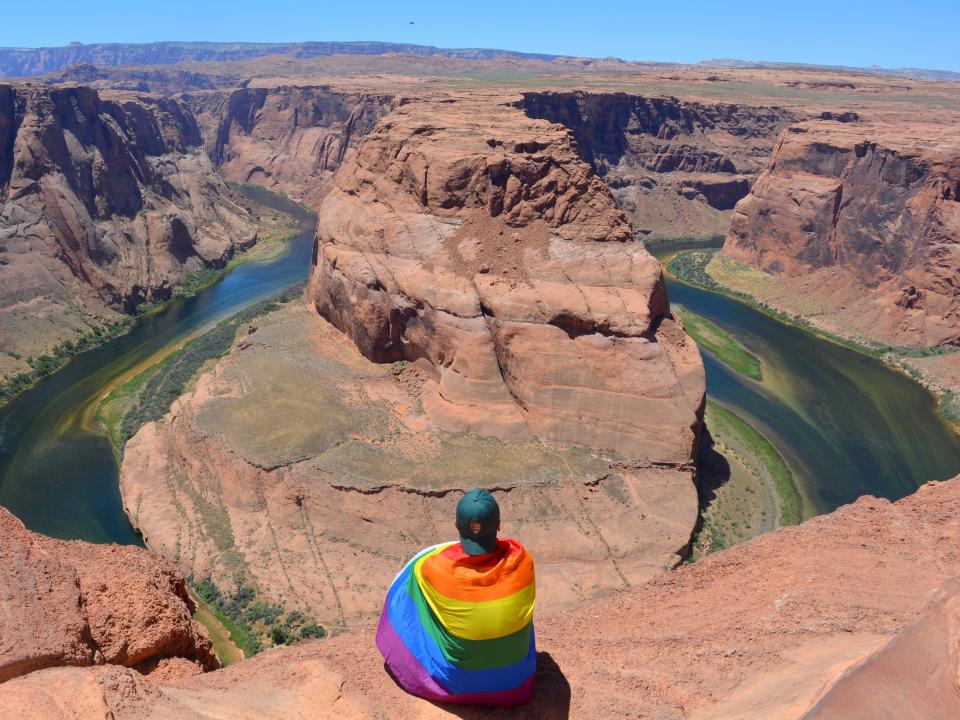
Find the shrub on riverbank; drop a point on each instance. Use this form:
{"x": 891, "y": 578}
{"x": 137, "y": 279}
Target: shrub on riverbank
{"x": 168, "y": 380}
{"x": 719, "y": 343}
{"x": 252, "y": 622}
{"x": 48, "y": 363}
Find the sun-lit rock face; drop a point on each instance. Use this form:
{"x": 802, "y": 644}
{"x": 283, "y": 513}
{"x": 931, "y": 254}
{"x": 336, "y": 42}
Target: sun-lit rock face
{"x": 290, "y": 138}
{"x": 75, "y": 603}
{"x": 675, "y": 167}
{"x": 869, "y": 212}
{"x": 106, "y": 201}
{"x": 472, "y": 240}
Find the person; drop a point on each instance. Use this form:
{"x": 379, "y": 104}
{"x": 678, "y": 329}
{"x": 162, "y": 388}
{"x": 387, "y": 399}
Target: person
{"x": 457, "y": 623}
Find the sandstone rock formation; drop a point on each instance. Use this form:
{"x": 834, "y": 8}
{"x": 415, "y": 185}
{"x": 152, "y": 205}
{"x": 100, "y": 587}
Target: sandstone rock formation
{"x": 287, "y": 138}
{"x": 470, "y": 239}
{"x": 914, "y": 675}
{"x": 107, "y": 201}
{"x": 864, "y": 216}
{"x": 73, "y": 603}
{"x": 300, "y": 468}
{"x": 778, "y": 628}
{"x": 675, "y": 167}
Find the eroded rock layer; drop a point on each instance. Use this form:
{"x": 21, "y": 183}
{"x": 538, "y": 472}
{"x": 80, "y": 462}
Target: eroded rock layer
{"x": 853, "y": 614}
{"x": 106, "y": 201}
{"x": 675, "y": 167}
{"x": 472, "y": 240}
{"x": 73, "y": 603}
{"x": 865, "y": 214}
{"x": 287, "y": 138}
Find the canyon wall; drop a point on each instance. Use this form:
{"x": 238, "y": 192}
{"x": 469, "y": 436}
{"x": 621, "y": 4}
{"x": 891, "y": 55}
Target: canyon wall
{"x": 471, "y": 240}
{"x": 864, "y": 216}
{"x": 107, "y": 201}
{"x": 675, "y": 167}
{"x": 73, "y": 603}
{"x": 288, "y": 138}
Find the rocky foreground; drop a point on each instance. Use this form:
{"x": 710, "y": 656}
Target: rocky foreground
{"x": 75, "y": 604}
{"x": 852, "y": 614}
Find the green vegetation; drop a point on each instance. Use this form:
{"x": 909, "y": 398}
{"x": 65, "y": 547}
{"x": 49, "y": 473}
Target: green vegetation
{"x": 691, "y": 267}
{"x": 254, "y": 624}
{"x": 46, "y": 364}
{"x": 111, "y": 411}
{"x": 719, "y": 343}
{"x": 744, "y": 484}
{"x": 772, "y": 463}
{"x": 271, "y": 242}
{"x": 197, "y": 281}
{"x": 227, "y": 650}
{"x": 950, "y": 407}
{"x": 148, "y": 396}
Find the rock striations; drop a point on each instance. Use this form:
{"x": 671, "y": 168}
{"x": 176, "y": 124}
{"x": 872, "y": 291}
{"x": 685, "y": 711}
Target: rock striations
{"x": 73, "y": 603}
{"x": 865, "y": 213}
{"x": 675, "y": 167}
{"x": 287, "y": 138}
{"x": 298, "y": 467}
{"x": 471, "y": 240}
{"x": 105, "y": 201}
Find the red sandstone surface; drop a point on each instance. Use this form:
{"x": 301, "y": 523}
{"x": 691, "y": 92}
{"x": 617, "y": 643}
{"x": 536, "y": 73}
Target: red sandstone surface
{"x": 789, "y": 625}
{"x": 466, "y": 234}
{"x": 288, "y": 138}
{"x": 299, "y": 467}
{"x": 867, "y": 213}
{"x": 106, "y": 201}
{"x": 73, "y": 603}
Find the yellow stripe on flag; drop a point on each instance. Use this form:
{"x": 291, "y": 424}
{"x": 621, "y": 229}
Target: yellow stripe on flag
{"x": 478, "y": 620}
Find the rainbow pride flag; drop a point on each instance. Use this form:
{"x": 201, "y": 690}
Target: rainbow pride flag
{"x": 458, "y": 628}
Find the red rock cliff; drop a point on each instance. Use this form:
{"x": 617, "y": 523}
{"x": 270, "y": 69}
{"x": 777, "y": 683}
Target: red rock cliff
{"x": 873, "y": 206}
{"x": 288, "y": 138}
{"x": 105, "y": 201}
{"x": 471, "y": 239}
{"x": 676, "y": 167}
{"x": 73, "y": 603}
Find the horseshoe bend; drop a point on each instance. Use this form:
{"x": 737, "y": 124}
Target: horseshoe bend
{"x": 271, "y": 312}
{"x": 478, "y": 315}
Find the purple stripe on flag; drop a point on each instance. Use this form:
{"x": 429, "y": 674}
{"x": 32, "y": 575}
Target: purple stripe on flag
{"x": 414, "y": 678}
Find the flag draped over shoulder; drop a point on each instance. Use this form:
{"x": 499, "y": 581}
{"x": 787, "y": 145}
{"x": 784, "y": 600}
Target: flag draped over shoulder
{"x": 458, "y": 628}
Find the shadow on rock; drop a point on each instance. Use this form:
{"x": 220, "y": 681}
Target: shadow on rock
{"x": 551, "y": 698}
{"x": 713, "y": 470}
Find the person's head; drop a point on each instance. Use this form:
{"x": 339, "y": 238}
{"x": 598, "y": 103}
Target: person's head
{"x": 478, "y": 520}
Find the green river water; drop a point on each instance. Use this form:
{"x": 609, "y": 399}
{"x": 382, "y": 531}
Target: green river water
{"x": 845, "y": 423}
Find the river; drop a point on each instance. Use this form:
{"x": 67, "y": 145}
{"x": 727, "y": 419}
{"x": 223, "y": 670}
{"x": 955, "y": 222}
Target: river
{"x": 844, "y": 422}
{"x": 57, "y": 473}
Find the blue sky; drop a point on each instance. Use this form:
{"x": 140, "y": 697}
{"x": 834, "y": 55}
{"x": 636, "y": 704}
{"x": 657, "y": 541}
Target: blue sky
{"x": 839, "y": 32}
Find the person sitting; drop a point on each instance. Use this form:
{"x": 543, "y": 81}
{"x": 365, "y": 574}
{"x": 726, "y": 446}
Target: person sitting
{"x": 457, "y": 624}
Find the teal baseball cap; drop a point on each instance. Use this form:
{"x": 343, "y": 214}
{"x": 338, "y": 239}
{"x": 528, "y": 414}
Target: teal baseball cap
{"x": 478, "y": 519}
